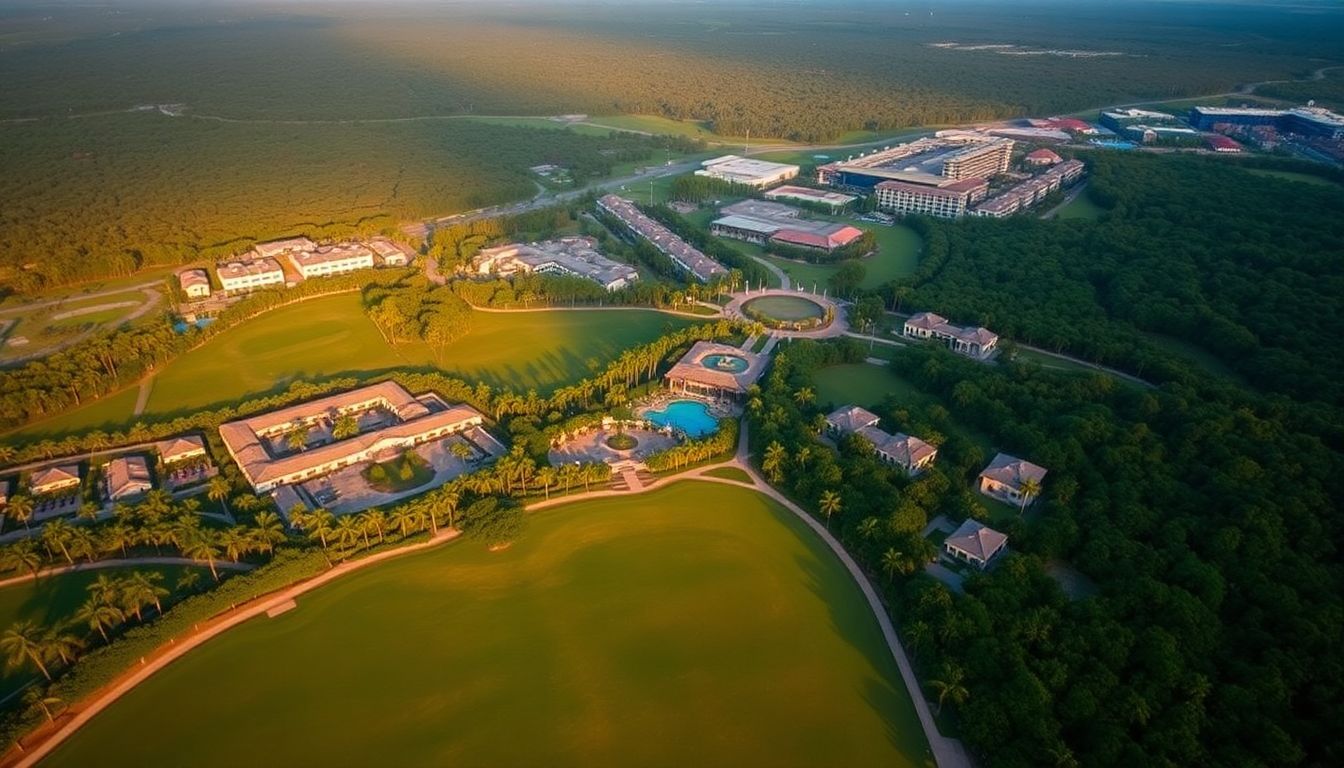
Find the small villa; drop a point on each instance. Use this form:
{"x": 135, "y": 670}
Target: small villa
{"x": 126, "y": 477}
{"x": 977, "y": 343}
{"x": 49, "y": 480}
{"x": 1008, "y": 479}
{"x": 715, "y": 370}
{"x": 178, "y": 449}
{"x": 909, "y": 453}
{"x": 975, "y": 544}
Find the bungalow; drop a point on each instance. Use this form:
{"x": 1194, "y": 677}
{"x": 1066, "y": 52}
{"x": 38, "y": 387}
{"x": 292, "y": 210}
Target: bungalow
{"x": 909, "y": 453}
{"x": 848, "y": 419}
{"x": 974, "y": 543}
{"x": 126, "y": 477}
{"x": 49, "y": 480}
{"x": 977, "y": 343}
{"x": 177, "y": 449}
{"x": 1009, "y": 479}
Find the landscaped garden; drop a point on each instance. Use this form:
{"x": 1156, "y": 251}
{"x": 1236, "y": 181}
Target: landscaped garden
{"x": 404, "y": 473}
{"x": 717, "y": 607}
{"x": 622, "y": 442}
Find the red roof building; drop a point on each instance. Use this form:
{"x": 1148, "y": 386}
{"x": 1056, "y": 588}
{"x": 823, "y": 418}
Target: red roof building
{"x": 828, "y": 242}
{"x": 1043, "y": 157}
{"x": 1072, "y": 125}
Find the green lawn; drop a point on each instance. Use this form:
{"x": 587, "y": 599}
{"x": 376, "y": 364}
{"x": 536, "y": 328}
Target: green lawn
{"x": 1081, "y": 207}
{"x": 332, "y": 336}
{"x": 1292, "y": 176}
{"x": 699, "y": 624}
{"x": 730, "y": 473}
{"x": 417, "y": 473}
{"x": 861, "y": 384}
{"x": 109, "y": 413}
{"x": 53, "y": 600}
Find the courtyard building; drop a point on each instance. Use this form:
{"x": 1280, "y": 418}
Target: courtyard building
{"x": 277, "y": 248}
{"x": 1006, "y": 477}
{"x": 716, "y": 370}
{"x": 974, "y": 342}
{"x": 573, "y": 256}
{"x": 57, "y": 479}
{"x": 244, "y": 275}
{"x": 126, "y": 477}
{"x": 929, "y": 162}
{"x": 833, "y": 200}
{"x": 974, "y": 543}
{"x": 391, "y": 421}
{"x": 195, "y": 283}
{"x": 763, "y": 222}
{"x": 682, "y": 253}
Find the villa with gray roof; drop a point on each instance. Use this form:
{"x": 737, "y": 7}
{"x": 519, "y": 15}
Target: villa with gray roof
{"x": 975, "y": 342}
{"x": 909, "y": 453}
{"x": 974, "y": 543}
{"x": 575, "y": 256}
{"x": 1006, "y": 477}
{"x": 848, "y": 419}
{"x": 126, "y": 477}
{"x": 391, "y": 421}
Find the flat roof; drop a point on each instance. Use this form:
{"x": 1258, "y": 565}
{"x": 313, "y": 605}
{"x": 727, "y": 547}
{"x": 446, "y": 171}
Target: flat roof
{"x": 814, "y": 195}
{"x": 664, "y": 239}
{"x": 578, "y": 255}
{"x": 331, "y": 253}
{"x": 746, "y": 168}
{"x": 248, "y": 267}
{"x": 922, "y": 161}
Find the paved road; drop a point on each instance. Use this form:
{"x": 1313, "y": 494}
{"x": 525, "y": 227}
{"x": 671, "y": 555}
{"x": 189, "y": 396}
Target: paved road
{"x": 783, "y": 276}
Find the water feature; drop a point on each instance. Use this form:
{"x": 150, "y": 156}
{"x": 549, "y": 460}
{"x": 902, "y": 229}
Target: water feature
{"x": 689, "y": 416}
{"x": 181, "y": 326}
{"x": 726, "y": 363}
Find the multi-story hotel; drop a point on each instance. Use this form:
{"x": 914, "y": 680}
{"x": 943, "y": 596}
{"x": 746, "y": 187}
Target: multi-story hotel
{"x": 950, "y": 201}
{"x": 249, "y": 274}
{"x": 929, "y": 162}
{"x": 682, "y": 253}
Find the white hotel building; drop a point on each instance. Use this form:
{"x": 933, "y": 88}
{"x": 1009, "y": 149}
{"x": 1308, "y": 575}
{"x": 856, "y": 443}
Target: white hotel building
{"x": 249, "y": 274}
{"x": 331, "y": 260}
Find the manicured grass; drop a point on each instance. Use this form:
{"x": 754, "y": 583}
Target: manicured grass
{"x": 1046, "y": 361}
{"x": 416, "y": 473}
{"x": 861, "y": 384}
{"x": 332, "y": 336}
{"x": 53, "y": 600}
{"x": 698, "y": 624}
{"x": 1292, "y": 176}
{"x": 898, "y": 251}
{"x": 109, "y": 413}
{"x": 93, "y": 318}
{"x": 1081, "y": 207}
{"x": 730, "y": 473}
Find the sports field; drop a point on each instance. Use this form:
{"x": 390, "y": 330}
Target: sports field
{"x": 332, "y": 336}
{"x": 695, "y": 625}
{"x": 54, "y": 599}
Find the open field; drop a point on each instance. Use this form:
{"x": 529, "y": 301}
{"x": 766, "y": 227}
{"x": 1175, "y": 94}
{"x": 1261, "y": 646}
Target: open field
{"x": 729, "y": 636}
{"x": 1081, "y": 207}
{"x": 53, "y": 600}
{"x": 1305, "y": 178}
{"x": 332, "y": 336}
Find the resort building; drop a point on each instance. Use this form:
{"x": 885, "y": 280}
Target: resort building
{"x": 928, "y": 162}
{"x": 948, "y": 201}
{"x": 1006, "y": 476}
{"x": 49, "y": 480}
{"x": 391, "y": 420}
{"x": 683, "y": 254}
{"x": 909, "y": 453}
{"x": 1032, "y": 191}
{"x": 974, "y": 543}
{"x": 975, "y": 342}
{"x": 716, "y": 370}
{"x": 178, "y": 449}
{"x": 832, "y": 200}
{"x": 277, "y": 248}
{"x": 331, "y": 260}
{"x": 126, "y": 477}
{"x": 249, "y": 274}
{"x": 1042, "y": 157}
{"x": 389, "y": 254}
{"x": 763, "y": 222}
{"x": 195, "y": 283}
{"x": 1310, "y": 121}
{"x": 747, "y": 172}
{"x": 575, "y": 256}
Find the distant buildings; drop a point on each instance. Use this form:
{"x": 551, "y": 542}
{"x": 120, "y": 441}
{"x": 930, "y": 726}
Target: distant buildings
{"x": 244, "y": 275}
{"x": 195, "y": 283}
{"x": 392, "y": 420}
{"x": 1118, "y": 120}
{"x": 762, "y": 222}
{"x": 389, "y": 253}
{"x": 948, "y": 201}
{"x": 1222, "y": 144}
{"x": 752, "y": 173}
{"x": 1033, "y": 190}
{"x": 978, "y": 343}
{"x": 1310, "y": 121}
{"x": 716, "y": 370}
{"x": 974, "y": 543}
{"x": 576, "y": 256}
{"x": 833, "y": 200}
{"x": 909, "y": 453}
{"x": 683, "y": 254}
{"x": 1009, "y": 479}
{"x": 1042, "y": 158}
{"x": 930, "y": 162}
{"x": 126, "y": 477}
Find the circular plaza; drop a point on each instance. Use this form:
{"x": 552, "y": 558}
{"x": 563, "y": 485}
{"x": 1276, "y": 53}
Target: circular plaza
{"x": 789, "y": 313}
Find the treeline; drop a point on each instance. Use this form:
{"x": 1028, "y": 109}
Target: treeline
{"x": 1203, "y": 517}
{"x": 417, "y": 310}
{"x": 1244, "y": 266}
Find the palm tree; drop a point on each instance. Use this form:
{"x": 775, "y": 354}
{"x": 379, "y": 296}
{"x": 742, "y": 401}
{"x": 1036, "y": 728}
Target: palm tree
{"x": 297, "y": 438}
{"x": 21, "y": 509}
{"x": 140, "y": 590}
{"x": 950, "y": 687}
{"x": 547, "y": 477}
{"x": 89, "y": 511}
{"x": 56, "y": 538}
{"x": 402, "y": 517}
{"x": 202, "y": 548}
{"x": 22, "y": 555}
{"x": 187, "y": 581}
{"x": 37, "y": 698}
{"x": 448, "y": 497}
{"x": 774, "y": 461}
{"x": 802, "y": 456}
{"x": 347, "y": 532}
{"x": 235, "y": 542}
{"x": 375, "y": 520}
{"x": 893, "y": 562}
{"x": 830, "y": 504}
{"x": 804, "y": 396}
{"x": 267, "y": 531}
{"x": 99, "y": 615}
{"x": 23, "y": 643}
{"x": 83, "y": 544}
{"x": 105, "y": 589}
{"x": 218, "y": 489}
{"x": 1027, "y": 490}
{"x": 869, "y": 527}
{"x": 117, "y": 536}
{"x": 919, "y": 635}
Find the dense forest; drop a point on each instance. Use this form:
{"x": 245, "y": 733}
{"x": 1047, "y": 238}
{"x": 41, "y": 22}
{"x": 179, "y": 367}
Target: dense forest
{"x": 1247, "y": 267}
{"x": 1205, "y": 520}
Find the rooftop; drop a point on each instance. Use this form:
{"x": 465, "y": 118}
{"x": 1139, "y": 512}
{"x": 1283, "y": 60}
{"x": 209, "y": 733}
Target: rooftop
{"x": 976, "y": 539}
{"x": 330, "y": 253}
{"x": 575, "y": 255}
{"x": 1012, "y": 471}
{"x": 851, "y": 418}
{"x": 811, "y": 195}
{"x": 691, "y": 259}
{"x": 693, "y": 367}
{"x": 922, "y": 161}
{"x": 745, "y": 170}
{"x": 247, "y": 268}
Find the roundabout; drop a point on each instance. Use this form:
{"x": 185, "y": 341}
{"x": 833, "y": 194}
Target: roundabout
{"x": 789, "y": 313}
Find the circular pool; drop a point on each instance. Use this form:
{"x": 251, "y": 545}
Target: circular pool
{"x": 726, "y": 363}
{"x": 787, "y": 309}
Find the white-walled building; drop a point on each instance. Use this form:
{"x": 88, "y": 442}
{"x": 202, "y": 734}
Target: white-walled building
{"x": 742, "y": 170}
{"x": 53, "y": 479}
{"x": 245, "y": 275}
{"x": 1008, "y": 479}
{"x": 574, "y": 256}
{"x": 126, "y": 477}
{"x": 975, "y": 342}
{"x": 195, "y": 283}
{"x": 974, "y": 543}
{"x": 331, "y": 260}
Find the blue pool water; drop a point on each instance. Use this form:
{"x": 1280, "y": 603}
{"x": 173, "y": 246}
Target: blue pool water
{"x": 689, "y": 416}
{"x": 729, "y": 363}
{"x": 181, "y": 325}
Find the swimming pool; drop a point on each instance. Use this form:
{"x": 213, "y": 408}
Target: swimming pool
{"x": 729, "y": 363}
{"x": 690, "y": 416}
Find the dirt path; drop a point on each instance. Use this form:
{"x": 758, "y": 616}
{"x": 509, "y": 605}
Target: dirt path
{"x": 142, "y": 396}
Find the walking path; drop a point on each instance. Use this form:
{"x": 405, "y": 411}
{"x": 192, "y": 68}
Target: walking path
{"x": 947, "y": 752}
{"x": 784, "y": 281}
{"x": 130, "y": 562}
{"x": 142, "y": 397}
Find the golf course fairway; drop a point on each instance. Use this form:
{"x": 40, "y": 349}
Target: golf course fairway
{"x": 698, "y": 624}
